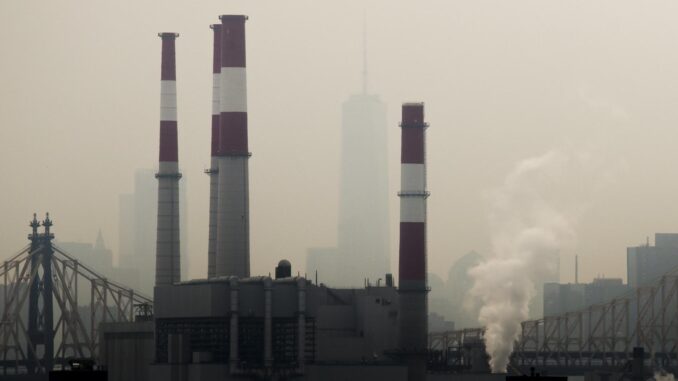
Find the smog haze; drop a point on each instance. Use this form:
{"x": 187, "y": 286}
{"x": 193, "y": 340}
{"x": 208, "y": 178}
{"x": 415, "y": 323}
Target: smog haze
{"x": 502, "y": 82}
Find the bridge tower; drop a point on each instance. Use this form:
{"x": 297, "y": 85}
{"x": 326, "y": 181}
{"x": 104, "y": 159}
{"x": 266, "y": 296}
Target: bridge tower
{"x": 40, "y": 310}
{"x": 40, "y": 302}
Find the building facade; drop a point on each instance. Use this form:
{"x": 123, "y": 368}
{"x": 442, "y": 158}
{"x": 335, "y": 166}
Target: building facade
{"x": 646, "y": 263}
{"x": 561, "y": 298}
{"x": 137, "y": 223}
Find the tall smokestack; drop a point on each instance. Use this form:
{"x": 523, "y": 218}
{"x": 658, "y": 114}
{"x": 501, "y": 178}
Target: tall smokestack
{"x": 412, "y": 267}
{"x": 233, "y": 220}
{"x": 214, "y": 164}
{"x": 167, "y": 265}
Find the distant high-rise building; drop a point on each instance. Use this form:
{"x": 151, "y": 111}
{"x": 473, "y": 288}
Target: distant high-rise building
{"x": 363, "y": 237}
{"x": 145, "y": 209}
{"x": 138, "y": 215}
{"x": 320, "y": 261}
{"x": 602, "y": 290}
{"x": 646, "y": 263}
{"x": 439, "y": 305}
{"x": 96, "y": 255}
{"x": 363, "y": 243}
{"x": 551, "y": 274}
{"x": 125, "y": 227}
{"x": 458, "y": 286}
{"x": 137, "y": 223}
{"x": 560, "y": 298}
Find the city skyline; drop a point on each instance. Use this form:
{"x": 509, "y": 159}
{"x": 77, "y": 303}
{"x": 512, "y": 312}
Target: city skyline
{"x": 493, "y": 113}
{"x": 475, "y": 246}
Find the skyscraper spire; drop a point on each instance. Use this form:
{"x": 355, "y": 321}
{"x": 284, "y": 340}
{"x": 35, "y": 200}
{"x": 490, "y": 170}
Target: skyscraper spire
{"x": 99, "y": 244}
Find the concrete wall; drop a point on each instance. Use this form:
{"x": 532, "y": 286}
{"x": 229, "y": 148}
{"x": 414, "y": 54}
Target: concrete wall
{"x": 204, "y": 299}
{"x": 355, "y": 372}
{"x": 216, "y": 372}
{"x": 466, "y": 377}
{"x": 352, "y": 325}
{"x": 190, "y": 372}
{"x": 127, "y": 350}
{"x": 361, "y": 328}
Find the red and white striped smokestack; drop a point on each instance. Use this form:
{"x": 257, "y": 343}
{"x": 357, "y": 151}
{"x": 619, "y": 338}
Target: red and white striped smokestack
{"x": 167, "y": 264}
{"x": 233, "y": 238}
{"x": 214, "y": 163}
{"x": 412, "y": 266}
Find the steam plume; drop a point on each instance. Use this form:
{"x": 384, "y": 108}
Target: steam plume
{"x": 663, "y": 376}
{"x": 529, "y": 227}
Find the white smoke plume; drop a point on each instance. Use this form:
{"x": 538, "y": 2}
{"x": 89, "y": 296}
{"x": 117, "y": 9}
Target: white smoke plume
{"x": 531, "y": 220}
{"x": 663, "y": 376}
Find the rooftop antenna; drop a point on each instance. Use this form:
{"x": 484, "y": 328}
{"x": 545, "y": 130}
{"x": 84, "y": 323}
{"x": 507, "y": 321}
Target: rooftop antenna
{"x": 364, "y": 53}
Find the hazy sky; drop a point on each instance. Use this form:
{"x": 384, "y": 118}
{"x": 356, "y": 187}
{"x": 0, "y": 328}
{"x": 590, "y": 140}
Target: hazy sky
{"x": 502, "y": 80}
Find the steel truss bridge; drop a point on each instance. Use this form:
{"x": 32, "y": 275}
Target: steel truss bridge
{"x": 600, "y": 337}
{"x": 53, "y": 305}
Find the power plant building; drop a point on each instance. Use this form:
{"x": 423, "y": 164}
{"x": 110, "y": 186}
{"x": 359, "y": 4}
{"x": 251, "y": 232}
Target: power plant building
{"x": 232, "y": 325}
{"x": 260, "y": 326}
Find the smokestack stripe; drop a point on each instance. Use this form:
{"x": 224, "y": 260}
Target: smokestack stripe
{"x": 412, "y": 286}
{"x": 214, "y": 164}
{"x": 413, "y": 197}
{"x": 233, "y": 87}
{"x": 168, "y": 65}
{"x": 232, "y": 248}
{"x": 167, "y": 261}
{"x": 216, "y": 79}
{"x": 168, "y": 100}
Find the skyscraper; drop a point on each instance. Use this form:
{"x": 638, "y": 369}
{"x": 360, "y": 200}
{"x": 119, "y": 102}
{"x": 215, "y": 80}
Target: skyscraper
{"x": 363, "y": 249}
{"x": 363, "y": 239}
{"x": 137, "y": 224}
{"x": 645, "y": 263}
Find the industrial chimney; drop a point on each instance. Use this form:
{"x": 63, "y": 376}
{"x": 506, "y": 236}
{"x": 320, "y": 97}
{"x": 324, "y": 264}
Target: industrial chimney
{"x": 167, "y": 265}
{"x": 214, "y": 164}
{"x": 412, "y": 266}
{"x": 233, "y": 236}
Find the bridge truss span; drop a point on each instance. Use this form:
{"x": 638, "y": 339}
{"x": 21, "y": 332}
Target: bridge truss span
{"x": 53, "y": 305}
{"x": 600, "y": 336}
